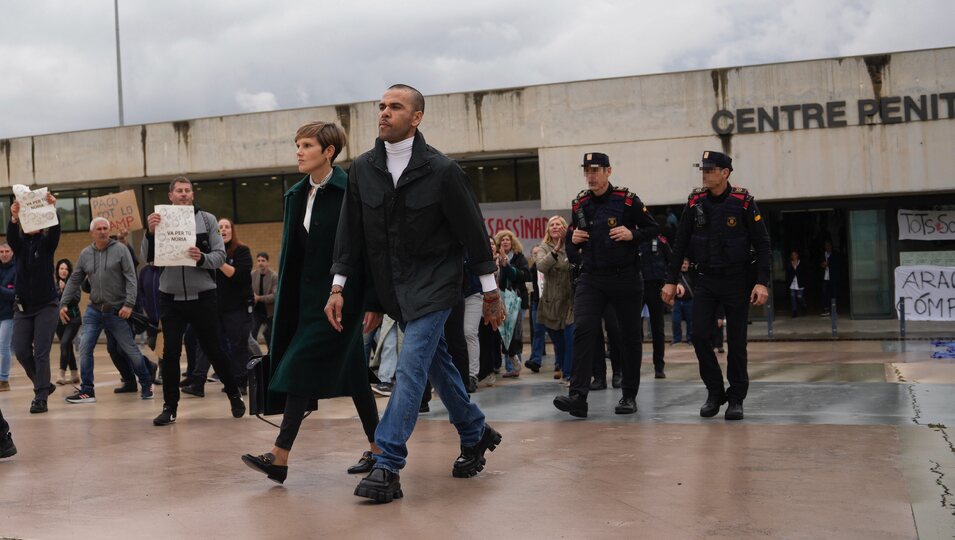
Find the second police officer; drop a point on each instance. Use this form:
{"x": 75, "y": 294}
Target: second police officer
{"x": 608, "y": 224}
{"x": 718, "y": 231}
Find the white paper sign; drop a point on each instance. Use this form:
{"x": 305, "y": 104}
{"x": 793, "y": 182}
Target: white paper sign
{"x": 35, "y": 211}
{"x": 175, "y": 234}
{"x": 926, "y": 224}
{"x": 928, "y": 292}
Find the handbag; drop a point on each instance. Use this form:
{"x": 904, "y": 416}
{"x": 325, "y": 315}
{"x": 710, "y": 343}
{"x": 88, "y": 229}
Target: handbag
{"x": 512, "y": 306}
{"x": 262, "y": 402}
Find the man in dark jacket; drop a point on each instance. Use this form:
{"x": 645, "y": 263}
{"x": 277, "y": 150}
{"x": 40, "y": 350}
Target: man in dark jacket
{"x": 408, "y": 218}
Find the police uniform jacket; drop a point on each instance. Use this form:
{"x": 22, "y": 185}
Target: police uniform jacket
{"x": 597, "y": 215}
{"x": 718, "y": 233}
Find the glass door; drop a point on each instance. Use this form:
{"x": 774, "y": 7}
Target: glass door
{"x": 870, "y": 273}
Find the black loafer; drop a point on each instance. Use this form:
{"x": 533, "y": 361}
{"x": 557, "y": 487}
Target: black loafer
{"x": 472, "y": 460}
{"x": 263, "y": 464}
{"x": 659, "y": 374}
{"x": 598, "y": 385}
{"x": 626, "y": 405}
{"x": 712, "y": 405}
{"x": 532, "y": 366}
{"x": 381, "y": 486}
{"x": 573, "y": 404}
{"x": 364, "y": 465}
{"x": 734, "y": 411}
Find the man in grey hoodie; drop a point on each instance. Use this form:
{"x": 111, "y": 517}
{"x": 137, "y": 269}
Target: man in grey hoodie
{"x": 112, "y": 276}
{"x": 187, "y": 296}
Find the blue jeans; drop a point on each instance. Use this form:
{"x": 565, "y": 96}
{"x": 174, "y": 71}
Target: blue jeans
{"x": 424, "y": 355}
{"x": 6, "y": 338}
{"x": 797, "y": 298}
{"x": 94, "y": 321}
{"x": 563, "y": 348}
{"x": 682, "y": 311}
{"x": 389, "y": 356}
{"x": 537, "y": 343}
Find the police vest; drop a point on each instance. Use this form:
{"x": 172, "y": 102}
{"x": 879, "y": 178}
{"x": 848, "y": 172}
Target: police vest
{"x": 720, "y": 238}
{"x": 602, "y": 214}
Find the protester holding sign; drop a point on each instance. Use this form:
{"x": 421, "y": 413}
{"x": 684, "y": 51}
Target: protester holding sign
{"x": 35, "y": 313}
{"x": 36, "y": 210}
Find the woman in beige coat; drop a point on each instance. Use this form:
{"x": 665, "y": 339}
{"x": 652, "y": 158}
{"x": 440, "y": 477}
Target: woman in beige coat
{"x": 556, "y": 309}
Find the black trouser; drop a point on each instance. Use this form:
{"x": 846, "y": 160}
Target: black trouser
{"x": 457, "y": 344}
{"x": 624, "y": 290}
{"x": 651, "y": 297}
{"x": 490, "y": 343}
{"x": 732, "y": 290}
{"x": 120, "y": 361}
{"x": 295, "y": 407}
{"x": 4, "y": 426}
{"x": 192, "y": 350}
{"x": 260, "y": 320}
{"x": 614, "y": 347}
{"x": 32, "y": 340}
{"x": 201, "y": 314}
{"x": 66, "y": 333}
{"x": 234, "y": 328}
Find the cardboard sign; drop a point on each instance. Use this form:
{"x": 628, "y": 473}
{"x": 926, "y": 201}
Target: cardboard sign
{"x": 36, "y": 213}
{"x": 175, "y": 234}
{"x": 120, "y": 209}
{"x": 926, "y": 224}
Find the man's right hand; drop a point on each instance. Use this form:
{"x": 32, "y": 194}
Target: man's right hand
{"x": 153, "y": 220}
{"x": 333, "y": 309}
{"x": 492, "y": 310}
{"x": 668, "y": 293}
{"x": 579, "y": 236}
{"x": 63, "y": 316}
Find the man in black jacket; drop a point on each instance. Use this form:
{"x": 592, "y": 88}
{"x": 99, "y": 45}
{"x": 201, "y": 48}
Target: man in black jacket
{"x": 408, "y": 218}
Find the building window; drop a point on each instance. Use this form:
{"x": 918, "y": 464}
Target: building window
{"x": 259, "y": 199}
{"x": 215, "y": 197}
{"x": 503, "y": 180}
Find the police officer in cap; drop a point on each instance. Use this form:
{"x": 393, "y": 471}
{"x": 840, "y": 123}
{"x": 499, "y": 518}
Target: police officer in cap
{"x": 608, "y": 224}
{"x": 720, "y": 227}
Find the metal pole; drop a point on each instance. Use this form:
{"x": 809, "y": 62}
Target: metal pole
{"x": 834, "y": 315}
{"x": 769, "y": 316}
{"x": 901, "y": 305}
{"x": 119, "y": 66}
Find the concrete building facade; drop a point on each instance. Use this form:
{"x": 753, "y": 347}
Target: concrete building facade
{"x": 832, "y": 149}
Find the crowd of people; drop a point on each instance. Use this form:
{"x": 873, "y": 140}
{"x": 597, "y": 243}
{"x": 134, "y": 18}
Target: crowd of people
{"x": 389, "y": 284}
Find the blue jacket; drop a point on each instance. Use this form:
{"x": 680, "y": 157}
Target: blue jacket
{"x": 8, "y": 275}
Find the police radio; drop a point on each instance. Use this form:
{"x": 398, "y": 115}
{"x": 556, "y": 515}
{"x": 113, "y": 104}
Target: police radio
{"x": 699, "y": 219}
{"x": 580, "y": 218}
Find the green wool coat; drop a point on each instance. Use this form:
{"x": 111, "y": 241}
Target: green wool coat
{"x": 309, "y": 358}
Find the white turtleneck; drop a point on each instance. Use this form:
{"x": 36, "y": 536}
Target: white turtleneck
{"x": 313, "y": 189}
{"x": 398, "y": 155}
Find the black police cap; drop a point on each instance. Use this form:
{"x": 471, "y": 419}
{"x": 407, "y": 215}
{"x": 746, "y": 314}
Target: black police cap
{"x": 716, "y": 159}
{"x": 596, "y": 159}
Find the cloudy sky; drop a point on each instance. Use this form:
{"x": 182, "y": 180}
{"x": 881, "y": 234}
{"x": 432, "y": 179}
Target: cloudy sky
{"x": 191, "y": 58}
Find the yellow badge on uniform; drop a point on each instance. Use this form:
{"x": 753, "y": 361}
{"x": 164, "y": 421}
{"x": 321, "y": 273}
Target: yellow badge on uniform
{"x": 731, "y": 221}
{"x": 758, "y": 217}
{"x": 612, "y": 222}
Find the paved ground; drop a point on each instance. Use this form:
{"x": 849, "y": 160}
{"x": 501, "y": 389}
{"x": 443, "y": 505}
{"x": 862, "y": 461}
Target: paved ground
{"x": 841, "y": 440}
